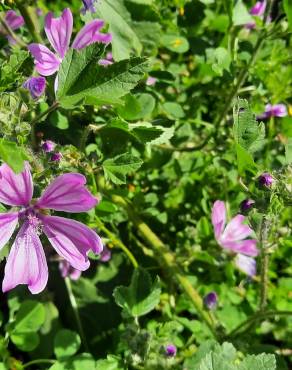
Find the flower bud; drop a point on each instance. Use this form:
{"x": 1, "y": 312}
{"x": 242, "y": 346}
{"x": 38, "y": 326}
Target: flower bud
{"x": 246, "y": 205}
{"x": 170, "y": 350}
{"x": 266, "y": 180}
{"x": 105, "y": 255}
{"x": 210, "y": 300}
{"x": 36, "y": 86}
{"x": 48, "y": 146}
{"x": 56, "y": 157}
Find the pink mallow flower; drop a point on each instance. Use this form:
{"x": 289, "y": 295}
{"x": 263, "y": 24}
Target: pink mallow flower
{"x": 59, "y": 31}
{"x": 257, "y": 10}
{"x": 67, "y": 270}
{"x": 276, "y": 110}
{"x": 14, "y": 22}
{"x": 232, "y": 237}
{"x": 26, "y": 262}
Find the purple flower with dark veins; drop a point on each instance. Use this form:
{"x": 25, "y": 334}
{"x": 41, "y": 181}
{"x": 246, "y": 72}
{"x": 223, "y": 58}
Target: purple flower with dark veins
{"x": 36, "y": 86}
{"x": 232, "y": 236}
{"x": 14, "y": 22}
{"x": 26, "y": 262}
{"x": 48, "y": 146}
{"x": 88, "y": 5}
{"x": 59, "y": 31}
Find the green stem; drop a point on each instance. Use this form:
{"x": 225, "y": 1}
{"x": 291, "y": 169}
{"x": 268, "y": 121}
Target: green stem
{"x": 167, "y": 259}
{"x": 53, "y": 107}
{"x": 264, "y": 229}
{"x": 40, "y": 361}
{"x": 30, "y": 21}
{"x": 257, "y": 317}
{"x": 90, "y": 128}
{"x": 10, "y": 32}
{"x": 118, "y": 243}
{"x": 76, "y": 312}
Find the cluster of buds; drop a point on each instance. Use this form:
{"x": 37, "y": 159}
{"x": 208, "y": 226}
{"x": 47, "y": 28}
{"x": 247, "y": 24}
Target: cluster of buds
{"x": 48, "y": 146}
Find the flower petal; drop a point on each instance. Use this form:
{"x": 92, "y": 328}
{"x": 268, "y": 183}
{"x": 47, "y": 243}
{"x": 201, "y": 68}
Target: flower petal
{"x": 236, "y": 229}
{"x": 13, "y": 20}
{"x": 46, "y": 62}
{"x": 59, "y": 31}
{"x": 8, "y": 222}
{"x": 26, "y": 263}
{"x": 72, "y": 240}
{"x": 246, "y": 264}
{"x": 15, "y": 189}
{"x": 247, "y": 247}
{"x": 67, "y": 193}
{"x": 90, "y": 34}
{"x": 218, "y": 217}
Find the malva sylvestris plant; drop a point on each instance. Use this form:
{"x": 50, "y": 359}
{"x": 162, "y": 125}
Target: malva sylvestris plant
{"x": 26, "y": 263}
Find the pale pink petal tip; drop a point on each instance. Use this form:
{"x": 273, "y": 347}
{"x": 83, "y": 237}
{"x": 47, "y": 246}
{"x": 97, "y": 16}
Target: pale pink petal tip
{"x": 46, "y": 62}
{"x": 26, "y": 263}
{"x": 218, "y": 217}
{"x": 246, "y": 264}
{"x": 90, "y": 34}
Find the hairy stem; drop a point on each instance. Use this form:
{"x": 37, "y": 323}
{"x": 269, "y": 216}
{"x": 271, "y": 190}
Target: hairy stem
{"x": 40, "y": 361}
{"x": 264, "y": 229}
{"x": 10, "y": 32}
{"x": 167, "y": 259}
{"x": 118, "y": 243}
{"x": 259, "y": 316}
{"x": 30, "y": 21}
{"x": 76, "y": 312}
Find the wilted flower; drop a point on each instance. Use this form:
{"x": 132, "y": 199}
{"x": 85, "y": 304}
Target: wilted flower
{"x": 105, "y": 255}
{"x": 170, "y": 350}
{"x": 26, "y": 262}
{"x": 58, "y": 31}
{"x": 88, "y": 5}
{"x": 232, "y": 236}
{"x": 246, "y": 205}
{"x": 56, "y": 157}
{"x": 36, "y": 86}
{"x": 48, "y": 146}
{"x": 107, "y": 61}
{"x": 210, "y": 300}
{"x": 68, "y": 271}
{"x": 277, "y": 110}
{"x": 266, "y": 179}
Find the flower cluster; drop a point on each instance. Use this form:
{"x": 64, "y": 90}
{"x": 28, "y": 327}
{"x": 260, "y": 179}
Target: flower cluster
{"x": 26, "y": 263}
{"x": 232, "y": 237}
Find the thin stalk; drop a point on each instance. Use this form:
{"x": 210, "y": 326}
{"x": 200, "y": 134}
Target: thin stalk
{"x": 118, "y": 243}
{"x": 264, "y": 281}
{"x": 167, "y": 259}
{"x": 10, "y": 32}
{"x": 30, "y": 21}
{"x": 53, "y": 107}
{"x": 40, "y": 361}
{"x": 257, "y": 317}
{"x": 76, "y": 312}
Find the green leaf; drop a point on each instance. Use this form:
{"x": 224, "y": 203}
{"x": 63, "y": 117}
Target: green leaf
{"x": 66, "y": 343}
{"x": 241, "y": 15}
{"x": 116, "y": 169}
{"x": 248, "y": 133}
{"x": 13, "y": 155}
{"x": 220, "y": 59}
{"x": 221, "y": 358}
{"x": 245, "y": 161}
{"x": 111, "y": 363}
{"x": 261, "y": 362}
{"x": 10, "y": 71}
{"x": 175, "y": 43}
{"x": 28, "y": 320}
{"x": 137, "y": 106}
{"x": 125, "y": 41}
{"x": 288, "y": 10}
{"x": 83, "y": 81}
{"x": 141, "y": 296}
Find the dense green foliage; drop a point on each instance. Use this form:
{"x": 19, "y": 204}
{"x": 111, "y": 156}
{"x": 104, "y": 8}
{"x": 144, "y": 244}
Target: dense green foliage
{"x": 161, "y": 134}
